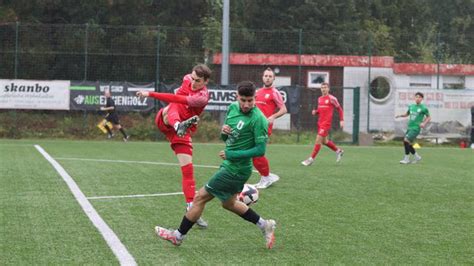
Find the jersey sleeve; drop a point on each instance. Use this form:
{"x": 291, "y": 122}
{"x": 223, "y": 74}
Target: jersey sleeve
{"x": 277, "y": 98}
{"x": 261, "y": 129}
{"x": 199, "y": 99}
{"x": 336, "y": 105}
{"x": 427, "y": 112}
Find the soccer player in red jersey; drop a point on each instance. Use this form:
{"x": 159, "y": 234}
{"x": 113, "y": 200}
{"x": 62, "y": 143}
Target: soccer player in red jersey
{"x": 270, "y": 102}
{"x": 179, "y": 119}
{"x": 326, "y": 105}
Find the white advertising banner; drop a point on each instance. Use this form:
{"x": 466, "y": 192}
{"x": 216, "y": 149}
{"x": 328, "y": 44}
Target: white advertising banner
{"x": 444, "y": 105}
{"x": 34, "y": 94}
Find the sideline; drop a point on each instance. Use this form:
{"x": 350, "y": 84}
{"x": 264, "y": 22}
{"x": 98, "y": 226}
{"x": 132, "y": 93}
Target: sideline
{"x": 120, "y": 251}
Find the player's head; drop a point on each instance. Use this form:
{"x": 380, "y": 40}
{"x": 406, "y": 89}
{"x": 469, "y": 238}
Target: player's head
{"x": 246, "y": 95}
{"x": 268, "y": 77}
{"x": 325, "y": 88}
{"x": 200, "y": 76}
{"x": 419, "y": 97}
{"x": 107, "y": 93}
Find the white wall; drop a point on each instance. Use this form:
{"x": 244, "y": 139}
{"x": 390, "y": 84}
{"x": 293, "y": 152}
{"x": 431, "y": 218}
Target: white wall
{"x": 381, "y": 113}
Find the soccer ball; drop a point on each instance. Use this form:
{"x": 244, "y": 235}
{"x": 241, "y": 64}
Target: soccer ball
{"x": 249, "y": 195}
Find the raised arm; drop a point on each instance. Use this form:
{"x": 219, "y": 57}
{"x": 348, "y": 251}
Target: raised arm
{"x": 197, "y": 100}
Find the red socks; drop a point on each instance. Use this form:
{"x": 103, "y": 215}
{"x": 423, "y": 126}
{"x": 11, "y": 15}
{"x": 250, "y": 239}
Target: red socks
{"x": 262, "y": 166}
{"x": 331, "y": 145}
{"x": 316, "y": 149}
{"x": 188, "y": 182}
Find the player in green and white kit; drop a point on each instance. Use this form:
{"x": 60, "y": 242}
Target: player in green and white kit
{"x": 419, "y": 117}
{"x": 245, "y": 133}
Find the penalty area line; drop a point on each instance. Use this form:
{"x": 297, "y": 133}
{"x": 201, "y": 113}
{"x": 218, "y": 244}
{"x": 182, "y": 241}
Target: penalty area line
{"x": 136, "y": 196}
{"x": 121, "y": 253}
{"x": 136, "y": 162}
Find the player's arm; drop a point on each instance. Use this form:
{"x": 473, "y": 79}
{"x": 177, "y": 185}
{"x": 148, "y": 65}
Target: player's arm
{"x": 197, "y": 100}
{"x": 403, "y": 115}
{"x": 110, "y": 108}
{"x": 425, "y": 121}
{"x": 281, "y": 106}
{"x": 225, "y": 132}
{"x": 339, "y": 110}
{"x": 257, "y": 151}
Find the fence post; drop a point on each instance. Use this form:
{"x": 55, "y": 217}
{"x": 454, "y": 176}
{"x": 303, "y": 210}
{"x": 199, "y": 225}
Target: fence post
{"x": 438, "y": 55}
{"x": 15, "y": 119}
{"x": 86, "y": 48}
{"x": 300, "y": 51}
{"x": 157, "y": 71}
{"x": 17, "y": 27}
{"x": 368, "y": 82}
{"x": 356, "y": 115}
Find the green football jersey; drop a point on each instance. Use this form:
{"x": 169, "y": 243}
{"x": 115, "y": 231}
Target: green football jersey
{"x": 417, "y": 113}
{"x": 248, "y": 129}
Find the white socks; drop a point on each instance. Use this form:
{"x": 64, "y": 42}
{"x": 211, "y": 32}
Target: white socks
{"x": 261, "y": 223}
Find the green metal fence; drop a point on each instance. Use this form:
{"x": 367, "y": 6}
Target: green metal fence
{"x": 156, "y": 53}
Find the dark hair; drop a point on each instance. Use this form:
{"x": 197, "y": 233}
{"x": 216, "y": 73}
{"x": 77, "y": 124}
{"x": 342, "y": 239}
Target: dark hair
{"x": 269, "y": 69}
{"x": 202, "y": 71}
{"x": 246, "y": 88}
{"x": 420, "y": 94}
{"x": 325, "y": 83}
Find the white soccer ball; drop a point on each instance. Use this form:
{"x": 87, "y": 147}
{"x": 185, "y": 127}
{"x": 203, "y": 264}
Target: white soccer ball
{"x": 249, "y": 194}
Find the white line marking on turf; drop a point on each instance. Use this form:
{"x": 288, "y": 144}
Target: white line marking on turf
{"x": 138, "y": 162}
{"x": 137, "y": 196}
{"x": 120, "y": 251}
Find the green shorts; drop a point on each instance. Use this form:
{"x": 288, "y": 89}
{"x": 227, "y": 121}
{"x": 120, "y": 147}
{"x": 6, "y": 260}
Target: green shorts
{"x": 224, "y": 184}
{"x": 411, "y": 134}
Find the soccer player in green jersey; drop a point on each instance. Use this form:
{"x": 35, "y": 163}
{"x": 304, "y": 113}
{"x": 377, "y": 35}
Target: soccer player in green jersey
{"x": 419, "y": 116}
{"x": 245, "y": 133}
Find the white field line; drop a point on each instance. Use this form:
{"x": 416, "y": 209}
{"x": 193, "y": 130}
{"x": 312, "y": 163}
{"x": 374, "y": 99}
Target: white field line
{"x": 136, "y": 196}
{"x": 136, "y": 162}
{"x": 124, "y": 257}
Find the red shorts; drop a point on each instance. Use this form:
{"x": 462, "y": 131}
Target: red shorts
{"x": 170, "y": 134}
{"x": 323, "y": 132}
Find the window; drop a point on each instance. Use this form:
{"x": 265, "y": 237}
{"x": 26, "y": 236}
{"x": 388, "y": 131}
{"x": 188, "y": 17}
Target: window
{"x": 380, "y": 89}
{"x": 453, "y": 82}
{"x": 316, "y": 78}
{"x": 418, "y": 81}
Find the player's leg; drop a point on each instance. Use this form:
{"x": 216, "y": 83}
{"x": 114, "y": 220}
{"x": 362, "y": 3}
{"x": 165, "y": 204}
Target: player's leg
{"x": 316, "y": 148}
{"x": 406, "y": 146}
{"x": 263, "y": 168}
{"x": 189, "y": 219}
{"x": 330, "y": 144}
{"x": 109, "y": 130}
{"x": 119, "y": 127}
{"x": 411, "y": 137}
{"x": 267, "y": 226}
{"x": 184, "y": 153}
{"x": 173, "y": 118}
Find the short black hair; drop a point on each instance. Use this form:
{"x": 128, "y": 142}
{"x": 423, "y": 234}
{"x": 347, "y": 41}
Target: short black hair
{"x": 246, "y": 88}
{"x": 420, "y": 94}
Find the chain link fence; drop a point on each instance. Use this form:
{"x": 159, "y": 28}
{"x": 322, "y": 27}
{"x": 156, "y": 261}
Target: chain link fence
{"x": 164, "y": 54}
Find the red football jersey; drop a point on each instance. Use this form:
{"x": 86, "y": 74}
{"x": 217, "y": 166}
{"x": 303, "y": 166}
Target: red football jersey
{"x": 268, "y": 100}
{"x": 326, "y": 105}
{"x": 201, "y": 97}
